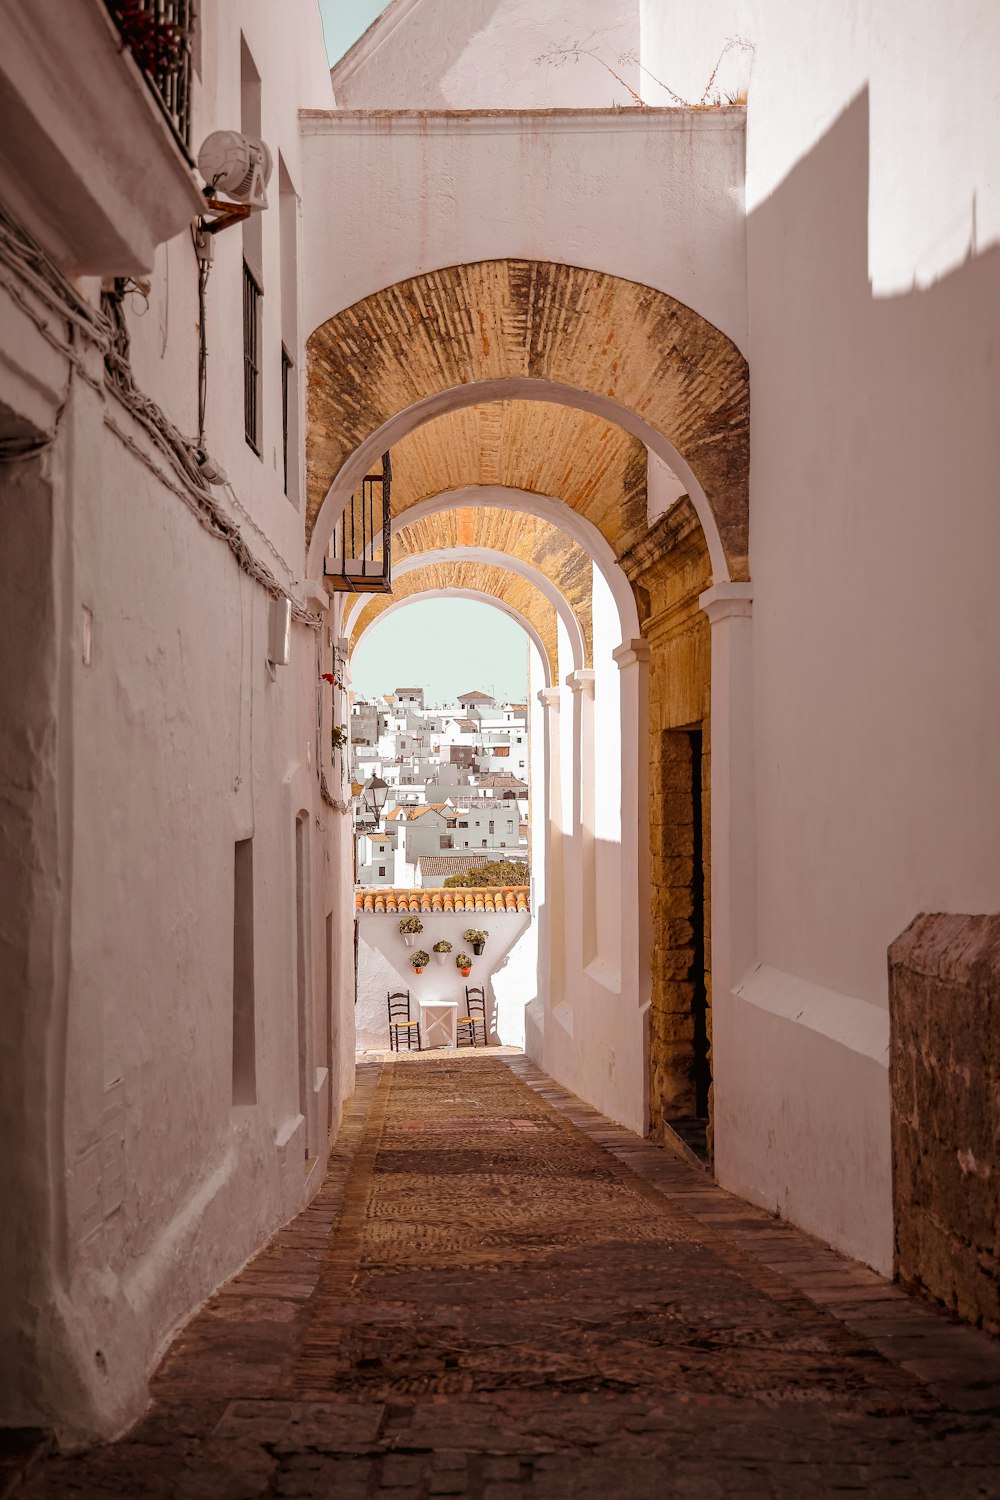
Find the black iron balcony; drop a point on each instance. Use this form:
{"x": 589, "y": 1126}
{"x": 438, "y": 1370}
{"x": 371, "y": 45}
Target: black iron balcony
{"x": 159, "y": 35}
{"x": 361, "y": 548}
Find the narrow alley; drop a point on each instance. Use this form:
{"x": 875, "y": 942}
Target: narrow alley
{"x": 499, "y": 1293}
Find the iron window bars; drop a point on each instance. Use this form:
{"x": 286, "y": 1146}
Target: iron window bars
{"x": 251, "y": 358}
{"x": 159, "y": 35}
{"x": 361, "y": 558}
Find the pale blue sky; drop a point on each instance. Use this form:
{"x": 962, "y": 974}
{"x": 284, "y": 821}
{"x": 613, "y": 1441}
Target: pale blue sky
{"x": 445, "y": 646}
{"x": 344, "y": 21}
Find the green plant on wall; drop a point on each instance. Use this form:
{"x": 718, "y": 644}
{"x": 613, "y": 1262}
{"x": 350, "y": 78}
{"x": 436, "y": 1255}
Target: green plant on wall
{"x": 498, "y": 872}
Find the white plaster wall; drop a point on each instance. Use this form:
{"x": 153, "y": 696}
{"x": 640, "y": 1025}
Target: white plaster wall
{"x": 682, "y": 45}
{"x": 590, "y": 1032}
{"x": 872, "y": 263}
{"x": 652, "y": 196}
{"x": 286, "y": 43}
{"x": 384, "y": 966}
{"x": 174, "y": 741}
{"x": 482, "y": 54}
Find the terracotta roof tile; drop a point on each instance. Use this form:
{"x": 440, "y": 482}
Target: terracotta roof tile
{"x": 495, "y": 899}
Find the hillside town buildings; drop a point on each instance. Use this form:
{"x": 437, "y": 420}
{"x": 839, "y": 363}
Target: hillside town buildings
{"x": 428, "y": 753}
{"x": 677, "y": 345}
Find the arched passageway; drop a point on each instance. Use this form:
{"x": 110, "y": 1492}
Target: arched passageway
{"x": 649, "y": 978}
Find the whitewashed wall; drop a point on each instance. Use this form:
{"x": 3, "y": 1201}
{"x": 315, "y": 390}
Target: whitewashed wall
{"x": 872, "y": 233}
{"x": 504, "y": 971}
{"x": 591, "y": 1036}
{"x": 170, "y": 743}
{"x": 652, "y": 196}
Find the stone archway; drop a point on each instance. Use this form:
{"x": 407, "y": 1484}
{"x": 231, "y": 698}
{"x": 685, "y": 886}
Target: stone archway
{"x": 536, "y": 330}
{"x": 435, "y": 368}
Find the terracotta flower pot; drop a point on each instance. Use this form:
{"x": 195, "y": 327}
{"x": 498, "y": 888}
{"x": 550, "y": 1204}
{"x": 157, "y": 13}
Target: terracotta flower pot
{"x": 420, "y": 970}
{"x": 466, "y": 972}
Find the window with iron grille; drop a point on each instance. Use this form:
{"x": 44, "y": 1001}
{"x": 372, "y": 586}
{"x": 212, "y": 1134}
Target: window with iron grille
{"x": 286, "y": 385}
{"x": 159, "y": 35}
{"x": 251, "y": 358}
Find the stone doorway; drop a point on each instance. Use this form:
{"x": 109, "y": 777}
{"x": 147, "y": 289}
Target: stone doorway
{"x": 680, "y": 1062}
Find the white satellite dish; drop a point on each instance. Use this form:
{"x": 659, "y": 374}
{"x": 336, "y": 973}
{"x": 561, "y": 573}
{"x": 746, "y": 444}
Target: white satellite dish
{"x": 238, "y": 164}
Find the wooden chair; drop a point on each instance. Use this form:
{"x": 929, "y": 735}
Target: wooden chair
{"x": 475, "y": 1016}
{"x": 399, "y": 1022}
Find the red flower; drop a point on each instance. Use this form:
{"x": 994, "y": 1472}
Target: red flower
{"x": 329, "y": 677}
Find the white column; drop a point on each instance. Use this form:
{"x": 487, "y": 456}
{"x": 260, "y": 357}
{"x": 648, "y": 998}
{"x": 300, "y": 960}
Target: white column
{"x": 734, "y": 868}
{"x": 551, "y": 944}
{"x": 632, "y": 658}
{"x": 581, "y": 877}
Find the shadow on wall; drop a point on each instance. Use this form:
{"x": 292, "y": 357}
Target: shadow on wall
{"x": 873, "y": 455}
{"x": 875, "y": 448}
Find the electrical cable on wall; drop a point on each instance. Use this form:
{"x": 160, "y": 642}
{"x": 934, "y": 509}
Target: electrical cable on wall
{"x": 107, "y": 331}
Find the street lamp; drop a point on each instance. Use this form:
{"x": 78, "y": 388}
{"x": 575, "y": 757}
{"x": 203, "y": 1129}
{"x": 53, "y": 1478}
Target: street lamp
{"x": 373, "y": 795}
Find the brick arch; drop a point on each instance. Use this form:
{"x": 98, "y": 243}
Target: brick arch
{"x": 620, "y": 346}
{"x": 527, "y": 539}
{"x": 536, "y": 446}
{"x": 521, "y": 596}
{"x": 518, "y": 569}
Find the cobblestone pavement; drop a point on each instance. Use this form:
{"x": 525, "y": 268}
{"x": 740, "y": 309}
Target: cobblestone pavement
{"x": 499, "y": 1294}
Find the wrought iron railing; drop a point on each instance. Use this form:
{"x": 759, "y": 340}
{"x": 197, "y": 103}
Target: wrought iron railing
{"x": 159, "y": 34}
{"x": 251, "y": 358}
{"x": 360, "y": 560}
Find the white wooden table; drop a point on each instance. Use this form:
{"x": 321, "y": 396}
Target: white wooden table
{"x": 438, "y": 1022}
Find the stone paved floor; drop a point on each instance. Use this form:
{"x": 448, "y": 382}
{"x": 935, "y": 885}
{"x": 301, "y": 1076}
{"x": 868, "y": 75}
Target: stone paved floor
{"x": 499, "y": 1294}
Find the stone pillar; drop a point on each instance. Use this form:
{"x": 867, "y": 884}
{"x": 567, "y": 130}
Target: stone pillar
{"x": 733, "y": 837}
{"x": 581, "y": 877}
{"x": 551, "y": 937}
{"x": 734, "y": 869}
{"x": 632, "y": 658}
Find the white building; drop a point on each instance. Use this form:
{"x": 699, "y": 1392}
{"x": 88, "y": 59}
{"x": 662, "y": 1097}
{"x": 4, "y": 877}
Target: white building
{"x": 483, "y": 826}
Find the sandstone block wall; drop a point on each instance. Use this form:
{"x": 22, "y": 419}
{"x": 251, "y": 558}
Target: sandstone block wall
{"x": 944, "y": 999}
{"x": 669, "y": 571}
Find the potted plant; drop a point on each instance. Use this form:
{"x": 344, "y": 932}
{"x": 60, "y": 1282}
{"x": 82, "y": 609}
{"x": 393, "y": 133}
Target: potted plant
{"x": 441, "y": 950}
{"x": 419, "y": 961}
{"x": 476, "y": 938}
{"x": 409, "y": 927}
{"x": 464, "y": 964}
